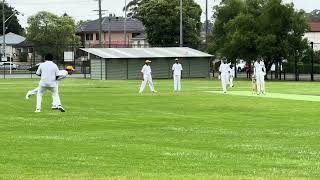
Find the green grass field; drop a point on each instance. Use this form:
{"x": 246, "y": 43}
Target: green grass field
{"x": 111, "y": 132}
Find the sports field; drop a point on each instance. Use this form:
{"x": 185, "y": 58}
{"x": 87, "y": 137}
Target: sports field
{"x": 111, "y": 132}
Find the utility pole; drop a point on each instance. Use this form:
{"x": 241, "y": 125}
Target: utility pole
{"x": 125, "y": 23}
{"x": 207, "y": 24}
{"x": 100, "y": 25}
{"x": 181, "y": 25}
{"x": 3, "y": 32}
{"x": 312, "y": 62}
{"x": 109, "y": 29}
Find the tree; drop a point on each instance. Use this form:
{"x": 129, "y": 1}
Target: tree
{"x": 220, "y": 40}
{"x": 162, "y": 21}
{"x": 252, "y": 28}
{"x": 132, "y": 8}
{"x": 314, "y": 15}
{"x": 52, "y": 33}
{"x": 12, "y": 25}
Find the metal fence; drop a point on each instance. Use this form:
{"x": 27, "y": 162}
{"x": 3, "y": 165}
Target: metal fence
{"x": 28, "y": 56}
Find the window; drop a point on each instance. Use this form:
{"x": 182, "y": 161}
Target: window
{"x": 97, "y": 36}
{"x": 89, "y": 36}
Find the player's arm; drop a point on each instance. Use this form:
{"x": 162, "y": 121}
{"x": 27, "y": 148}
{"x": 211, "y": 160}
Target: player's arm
{"x": 38, "y": 73}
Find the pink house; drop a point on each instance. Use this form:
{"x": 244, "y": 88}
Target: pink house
{"x": 89, "y": 33}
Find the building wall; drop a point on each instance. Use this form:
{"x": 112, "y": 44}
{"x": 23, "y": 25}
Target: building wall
{"x": 314, "y": 37}
{"x": 161, "y": 68}
{"x": 117, "y": 38}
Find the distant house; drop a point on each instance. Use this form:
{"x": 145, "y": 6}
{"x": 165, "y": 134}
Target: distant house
{"x": 89, "y": 33}
{"x": 11, "y": 40}
{"x": 314, "y": 34}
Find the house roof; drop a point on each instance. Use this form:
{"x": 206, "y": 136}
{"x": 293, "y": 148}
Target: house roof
{"x": 134, "y": 53}
{"x": 12, "y": 39}
{"x": 314, "y": 26}
{"x": 117, "y": 25}
{"x": 24, "y": 44}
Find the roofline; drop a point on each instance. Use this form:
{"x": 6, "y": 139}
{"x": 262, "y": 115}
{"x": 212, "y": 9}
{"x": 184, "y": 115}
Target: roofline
{"x": 204, "y": 56}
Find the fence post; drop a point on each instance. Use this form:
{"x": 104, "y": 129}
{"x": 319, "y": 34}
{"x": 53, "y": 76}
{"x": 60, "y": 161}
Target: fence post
{"x": 312, "y": 62}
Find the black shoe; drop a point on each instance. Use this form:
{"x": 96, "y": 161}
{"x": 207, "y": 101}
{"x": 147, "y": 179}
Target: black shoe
{"x": 54, "y": 107}
{"x": 61, "y": 109}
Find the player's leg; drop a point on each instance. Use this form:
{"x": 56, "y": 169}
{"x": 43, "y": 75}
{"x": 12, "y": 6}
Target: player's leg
{"x": 39, "y": 98}
{"x": 151, "y": 84}
{"x": 56, "y": 98}
{"x": 143, "y": 84}
{"x": 231, "y": 81}
{"x": 32, "y": 92}
{"x": 179, "y": 83}
{"x": 263, "y": 91}
{"x": 258, "y": 82}
{"x": 224, "y": 83}
{"x": 175, "y": 83}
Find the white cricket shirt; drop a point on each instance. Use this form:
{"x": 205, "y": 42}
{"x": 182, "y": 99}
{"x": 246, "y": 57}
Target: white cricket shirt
{"x": 146, "y": 70}
{"x": 177, "y": 68}
{"x": 224, "y": 68}
{"x": 48, "y": 71}
{"x": 259, "y": 67}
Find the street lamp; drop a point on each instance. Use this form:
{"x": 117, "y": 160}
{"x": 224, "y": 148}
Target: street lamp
{"x": 4, "y": 28}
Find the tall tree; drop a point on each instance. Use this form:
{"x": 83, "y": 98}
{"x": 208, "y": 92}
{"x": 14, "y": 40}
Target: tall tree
{"x": 162, "y": 21}
{"x": 132, "y": 8}
{"x": 12, "y": 25}
{"x": 314, "y": 15}
{"x": 52, "y": 33}
{"x": 251, "y": 28}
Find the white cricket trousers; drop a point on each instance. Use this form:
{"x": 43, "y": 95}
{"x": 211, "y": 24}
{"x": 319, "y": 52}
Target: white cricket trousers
{"x": 231, "y": 81}
{"x": 177, "y": 82}
{"x": 224, "y": 81}
{"x": 55, "y": 95}
{"x": 260, "y": 83}
{"x": 146, "y": 79}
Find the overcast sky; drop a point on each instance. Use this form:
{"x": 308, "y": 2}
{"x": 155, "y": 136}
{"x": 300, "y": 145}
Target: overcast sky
{"x": 83, "y": 9}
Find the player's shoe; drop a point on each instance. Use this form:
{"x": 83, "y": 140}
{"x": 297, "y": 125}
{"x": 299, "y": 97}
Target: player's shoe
{"x": 54, "y": 107}
{"x": 61, "y": 109}
{"x": 28, "y": 95}
{"x": 154, "y": 91}
{"x": 37, "y": 111}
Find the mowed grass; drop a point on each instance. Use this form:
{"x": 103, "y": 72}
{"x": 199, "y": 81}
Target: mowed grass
{"x": 111, "y": 132}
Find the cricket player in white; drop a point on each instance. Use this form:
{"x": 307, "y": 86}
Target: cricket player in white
{"x": 62, "y": 75}
{"x": 232, "y": 74}
{"x": 259, "y": 73}
{"x": 146, "y": 77}
{"x": 48, "y": 72}
{"x": 224, "y": 71}
{"x": 177, "y": 68}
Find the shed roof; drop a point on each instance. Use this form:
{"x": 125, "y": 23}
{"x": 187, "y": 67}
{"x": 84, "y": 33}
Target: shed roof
{"x": 12, "y": 39}
{"x": 133, "y": 53}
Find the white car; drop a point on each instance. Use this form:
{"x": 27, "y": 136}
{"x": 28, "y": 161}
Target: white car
{"x": 241, "y": 65}
{"x": 6, "y": 65}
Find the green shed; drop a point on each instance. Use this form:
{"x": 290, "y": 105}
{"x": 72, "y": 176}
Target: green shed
{"x": 126, "y": 63}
